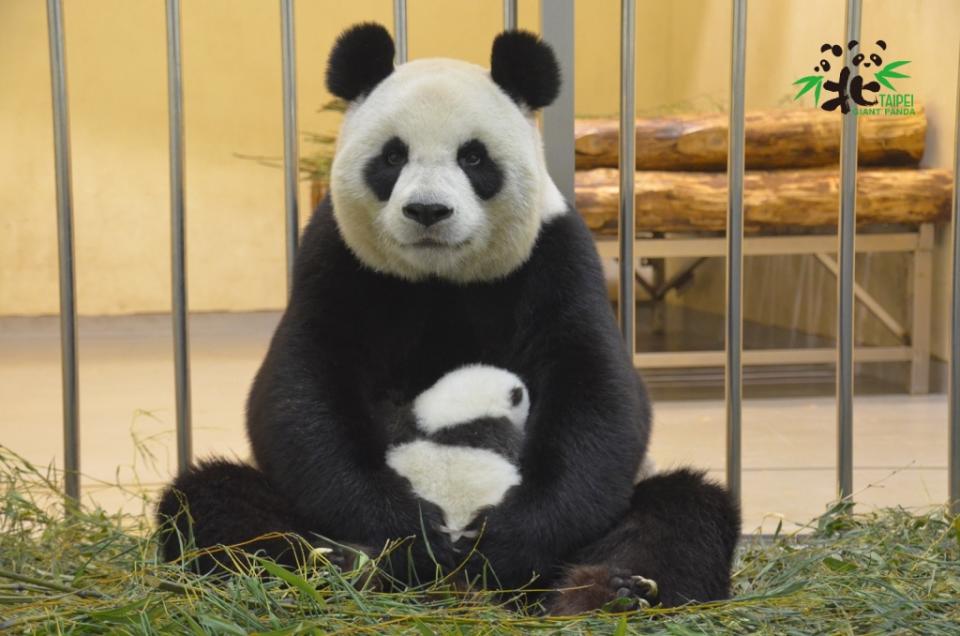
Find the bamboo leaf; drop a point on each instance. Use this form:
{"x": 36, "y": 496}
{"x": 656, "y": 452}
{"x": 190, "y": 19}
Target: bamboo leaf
{"x": 887, "y": 73}
{"x": 621, "y": 629}
{"x": 809, "y": 82}
{"x": 292, "y": 580}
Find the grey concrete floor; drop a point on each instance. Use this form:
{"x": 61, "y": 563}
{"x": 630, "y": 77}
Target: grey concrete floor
{"x": 127, "y": 413}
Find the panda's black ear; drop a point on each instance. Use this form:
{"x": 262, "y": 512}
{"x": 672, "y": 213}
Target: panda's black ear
{"x": 525, "y": 67}
{"x": 361, "y": 58}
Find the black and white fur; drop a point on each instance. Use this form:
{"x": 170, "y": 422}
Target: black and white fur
{"x": 445, "y": 243}
{"x": 462, "y": 445}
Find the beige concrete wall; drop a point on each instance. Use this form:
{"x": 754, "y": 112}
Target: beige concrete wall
{"x": 116, "y": 62}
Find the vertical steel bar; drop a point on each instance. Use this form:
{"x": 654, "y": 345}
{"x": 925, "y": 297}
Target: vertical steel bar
{"x": 291, "y": 151}
{"x": 400, "y": 29}
{"x": 557, "y": 29}
{"x": 734, "y": 317}
{"x": 954, "y": 415}
{"x": 628, "y": 139}
{"x": 846, "y": 258}
{"x": 509, "y": 15}
{"x": 181, "y": 356}
{"x": 68, "y": 304}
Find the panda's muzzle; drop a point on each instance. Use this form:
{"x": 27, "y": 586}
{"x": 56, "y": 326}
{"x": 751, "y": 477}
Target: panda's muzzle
{"x": 427, "y": 214}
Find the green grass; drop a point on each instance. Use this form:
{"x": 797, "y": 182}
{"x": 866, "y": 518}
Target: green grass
{"x": 92, "y": 572}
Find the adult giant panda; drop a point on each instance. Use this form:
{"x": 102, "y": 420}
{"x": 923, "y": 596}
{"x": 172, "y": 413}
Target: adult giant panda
{"x": 444, "y": 242}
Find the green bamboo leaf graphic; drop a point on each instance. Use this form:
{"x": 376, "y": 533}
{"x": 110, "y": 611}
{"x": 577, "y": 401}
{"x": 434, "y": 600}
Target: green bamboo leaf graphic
{"x": 887, "y": 73}
{"x": 810, "y": 81}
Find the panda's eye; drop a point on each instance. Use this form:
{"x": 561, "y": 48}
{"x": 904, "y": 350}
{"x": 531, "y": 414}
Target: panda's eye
{"x": 394, "y": 152}
{"x": 471, "y": 159}
{"x": 857, "y": 59}
{"x": 472, "y": 154}
{"x": 876, "y": 59}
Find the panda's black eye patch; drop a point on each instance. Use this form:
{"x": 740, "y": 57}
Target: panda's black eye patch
{"x": 382, "y": 171}
{"x": 484, "y": 174}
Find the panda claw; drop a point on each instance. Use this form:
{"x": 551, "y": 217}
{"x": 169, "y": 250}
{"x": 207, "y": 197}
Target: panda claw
{"x": 653, "y": 590}
{"x": 632, "y": 592}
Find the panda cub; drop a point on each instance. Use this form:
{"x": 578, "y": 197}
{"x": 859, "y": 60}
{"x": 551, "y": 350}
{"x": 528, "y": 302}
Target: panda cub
{"x": 458, "y": 444}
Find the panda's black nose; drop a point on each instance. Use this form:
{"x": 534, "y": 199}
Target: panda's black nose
{"x": 426, "y": 214}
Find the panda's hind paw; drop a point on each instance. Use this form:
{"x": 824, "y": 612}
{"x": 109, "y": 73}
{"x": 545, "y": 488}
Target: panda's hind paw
{"x": 633, "y": 591}
{"x": 587, "y": 588}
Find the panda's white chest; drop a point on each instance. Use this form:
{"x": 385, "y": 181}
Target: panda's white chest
{"x": 459, "y": 479}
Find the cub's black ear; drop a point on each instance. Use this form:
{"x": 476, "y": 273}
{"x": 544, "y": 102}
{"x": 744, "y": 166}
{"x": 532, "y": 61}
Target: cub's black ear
{"x": 361, "y": 58}
{"x": 525, "y": 68}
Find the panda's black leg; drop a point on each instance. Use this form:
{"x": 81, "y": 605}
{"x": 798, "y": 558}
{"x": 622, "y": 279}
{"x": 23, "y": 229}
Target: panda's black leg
{"x": 680, "y": 534}
{"x": 221, "y": 503}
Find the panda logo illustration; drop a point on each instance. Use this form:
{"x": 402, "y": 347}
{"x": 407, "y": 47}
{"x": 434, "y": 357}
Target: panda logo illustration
{"x": 850, "y": 84}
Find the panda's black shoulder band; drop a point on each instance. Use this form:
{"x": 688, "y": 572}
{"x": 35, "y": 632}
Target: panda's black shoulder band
{"x": 525, "y": 67}
{"x": 361, "y": 58}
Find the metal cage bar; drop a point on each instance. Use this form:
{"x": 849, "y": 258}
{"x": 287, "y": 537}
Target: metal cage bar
{"x": 509, "y": 15}
{"x": 291, "y": 150}
{"x": 557, "y": 28}
{"x": 181, "y": 354}
{"x": 954, "y": 389}
{"x": 400, "y": 29}
{"x": 628, "y": 139}
{"x": 68, "y": 298}
{"x": 846, "y": 258}
{"x": 733, "y": 376}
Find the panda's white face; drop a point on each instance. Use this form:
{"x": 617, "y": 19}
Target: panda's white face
{"x": 438, "y": 173}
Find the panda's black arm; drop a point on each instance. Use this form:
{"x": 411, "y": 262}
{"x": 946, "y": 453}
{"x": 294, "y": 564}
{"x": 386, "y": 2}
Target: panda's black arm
{"x": 581, "y": 453}
{"x": 589, "y": 421}
{"x": 315, "y": 436}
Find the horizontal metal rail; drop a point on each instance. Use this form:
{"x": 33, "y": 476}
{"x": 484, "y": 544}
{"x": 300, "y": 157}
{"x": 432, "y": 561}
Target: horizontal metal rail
{"x": 760, "y": 246}
{"x": 765, "y": 357}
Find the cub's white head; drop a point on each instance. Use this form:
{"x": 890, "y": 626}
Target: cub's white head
{"x": 439, "y": 169}
{"x": 470, "y": 393}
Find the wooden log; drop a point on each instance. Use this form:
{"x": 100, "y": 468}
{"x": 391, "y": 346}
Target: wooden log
{"x": 775, "y": 139}
{"x": 773, "y": 199}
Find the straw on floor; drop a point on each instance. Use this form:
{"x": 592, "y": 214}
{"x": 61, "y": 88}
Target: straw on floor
{"x": 891, "y": 571}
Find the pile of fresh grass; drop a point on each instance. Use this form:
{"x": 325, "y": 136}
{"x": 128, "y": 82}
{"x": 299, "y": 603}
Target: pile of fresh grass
{"x": 90, "y": 572}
